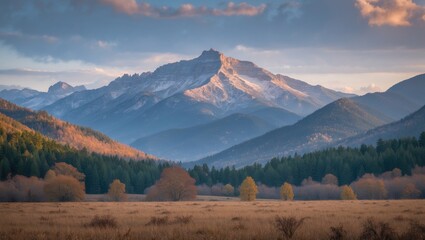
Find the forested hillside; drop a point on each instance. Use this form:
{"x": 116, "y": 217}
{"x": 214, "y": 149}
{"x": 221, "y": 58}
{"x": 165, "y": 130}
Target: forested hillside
{"x": 66, "y": 133}
{"x": 347, "y": 164}
{"x": 25, "y": 152}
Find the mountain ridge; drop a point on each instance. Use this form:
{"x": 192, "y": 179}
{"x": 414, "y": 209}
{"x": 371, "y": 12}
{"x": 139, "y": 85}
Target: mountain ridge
{"x": 191, "y": 92}
{"x": 66, "y": 133}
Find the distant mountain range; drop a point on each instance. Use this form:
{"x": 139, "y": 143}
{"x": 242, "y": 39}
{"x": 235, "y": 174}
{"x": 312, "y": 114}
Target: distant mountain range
{"x": 337, "y": 120}
{"x": 186, "y": 94}
{"x": 410, "y": 126}
{"x": 334, "y": 123}
{"x": 69, "y": 134}
{"x": 221, "y": 110}
{"x": 36, "y": 100}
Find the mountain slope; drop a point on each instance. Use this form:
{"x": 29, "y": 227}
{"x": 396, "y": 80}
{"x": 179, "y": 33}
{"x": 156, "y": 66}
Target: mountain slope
{"x": 66, "y": 133}
{"x": 36, "y": 100}
{"x": 193, "y": 143}
{"x": 185, "y": 94}
{"x": 400, "y": 100}
{"x": 335, "y": 121}
{"x": 410, "y": 126}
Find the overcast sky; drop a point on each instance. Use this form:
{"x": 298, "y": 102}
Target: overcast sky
{"x": 352, "y": 45}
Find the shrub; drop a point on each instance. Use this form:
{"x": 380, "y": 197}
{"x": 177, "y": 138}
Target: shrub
{"x": 338, "y": 233}
{"x": 373, "y": 230}
{"x": 105, "y": 221}
{"x": 288, "y": 225}
{"x": 157, "y": 221}
{"x": 183, "y": 219}
{"x": 415, "y": 231}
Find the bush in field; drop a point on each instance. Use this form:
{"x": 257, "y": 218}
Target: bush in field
{"x": 286, "y": 192}
{"x": 116, "y": 191}
{"x": 374, "y": 230}
{"x": 22, "y": 189}
{"x": 415, "y": 231}
{"x": 338, "y": 233}
{"x": 248, "y": 190}
{"x": 64, "y": 189}
{"x": 175, "y": 184}
{"x": 105, "y": 221}
{"x": 347, "y": 193}
{"x": 287, "y": 226}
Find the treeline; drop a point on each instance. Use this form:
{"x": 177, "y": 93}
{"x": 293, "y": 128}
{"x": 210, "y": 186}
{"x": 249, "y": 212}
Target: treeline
{"x": 347, "y": 164}
{"x": 31, "y": 154}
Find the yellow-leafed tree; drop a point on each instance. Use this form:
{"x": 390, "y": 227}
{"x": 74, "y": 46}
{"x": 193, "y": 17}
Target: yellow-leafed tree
{"x": 248, "y": 190}
{"x": 347, "y": 193}
{"x": 286, "y": 192}
{"x": 116, "y": 191}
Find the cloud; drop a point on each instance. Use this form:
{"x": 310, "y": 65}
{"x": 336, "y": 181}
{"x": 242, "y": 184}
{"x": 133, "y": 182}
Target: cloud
{"x": 390, "y": 12}
{"x": 131, "y": 7}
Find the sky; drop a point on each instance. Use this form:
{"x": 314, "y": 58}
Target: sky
{"x": 355, "y": 46}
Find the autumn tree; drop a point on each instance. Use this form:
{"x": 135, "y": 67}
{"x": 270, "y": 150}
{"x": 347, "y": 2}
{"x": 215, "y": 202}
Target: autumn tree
{"x": 370, "y": 187}
{"x": 116, "y": 191}
{"x": 286, "y": 192}
{"x": 64, "y": 189}
{"x": 175, "y": 184}
{"x": 228, "y": 189}
{"x": 49, "y": 175}
{"x": 248, "y": 190}
{"x": 347, "y": 193}
{"x": 410, "y": 192}
{"x": 330, "y": 179}
{"x": 62, "y": 168}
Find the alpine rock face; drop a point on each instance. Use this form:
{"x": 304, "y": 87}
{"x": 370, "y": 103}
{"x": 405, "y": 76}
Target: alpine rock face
{"x": 188, "y": 93}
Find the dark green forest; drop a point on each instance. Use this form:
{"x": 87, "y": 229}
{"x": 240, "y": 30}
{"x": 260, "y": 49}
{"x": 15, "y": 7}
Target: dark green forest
{"x": 31, "y": 154}
{"x": 348, "y": 164}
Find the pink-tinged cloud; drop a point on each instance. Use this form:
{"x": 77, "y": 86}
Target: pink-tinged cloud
{"x": 131, "y": 7}
{"x": 390, "y": 12}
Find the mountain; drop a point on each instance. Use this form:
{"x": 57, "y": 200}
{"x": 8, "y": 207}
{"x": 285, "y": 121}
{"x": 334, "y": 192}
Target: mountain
{"x": 398, "y": 101}
{"x": 36, "y": 100}
{"x": 189, "y": 144}
{"x": 188, "y": 93}
{"x": 69, "y": 134}
{"x": 335, "y": 121}
{"x": 410, "y": 126}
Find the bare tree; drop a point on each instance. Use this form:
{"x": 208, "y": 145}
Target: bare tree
{"x": 64, "y": 189}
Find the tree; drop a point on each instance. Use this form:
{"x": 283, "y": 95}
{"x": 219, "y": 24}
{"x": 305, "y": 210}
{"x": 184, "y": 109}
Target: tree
{"x": 228, "y": 189}
{"x": 286, "y": 192}
{"x": 62, "y": 168}
{"x": 347, "y": 193}
{"x": 330, "y": 179}
{"x": 175, "y": 184}
{"x": 248, "y": 190}
{"x": 50, "y": 174}
{"x": 370, "y": 187}
{"x": 116, "y": 191}
{"x": 410, "y": 192}
{"x": 64, "y": 189}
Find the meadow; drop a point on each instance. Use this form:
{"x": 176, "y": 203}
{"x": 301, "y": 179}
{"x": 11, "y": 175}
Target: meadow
{"x": 231, "y": 219}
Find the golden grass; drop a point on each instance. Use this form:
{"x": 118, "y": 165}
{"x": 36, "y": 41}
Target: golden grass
{"x": 199, "y": 220}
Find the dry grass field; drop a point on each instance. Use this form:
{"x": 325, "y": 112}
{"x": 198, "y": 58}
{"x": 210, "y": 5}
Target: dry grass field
{"x": 200, "y": 219}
